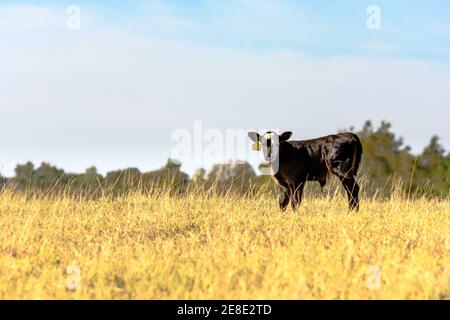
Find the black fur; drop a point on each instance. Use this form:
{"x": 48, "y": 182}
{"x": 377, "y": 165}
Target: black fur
{"x": 312, "y": 160}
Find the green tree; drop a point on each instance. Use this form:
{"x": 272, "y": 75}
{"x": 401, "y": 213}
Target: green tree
{"x": 123, "y": 181}
{"x": 385, "y": 157}
{"x": 169, "y": 177}
{"x": 231, "y": 177}
{"x": 23, "y": 175}
{"x": 433, "y": 169}
{"x": 199, "y": 176}
{"x": 90, "y": 182}
{"x": 44, "y": 177}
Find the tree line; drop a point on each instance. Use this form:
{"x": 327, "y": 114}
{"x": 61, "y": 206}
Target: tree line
{"x": 386, "y": 160}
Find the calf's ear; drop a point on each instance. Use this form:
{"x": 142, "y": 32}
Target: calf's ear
{"x": 253, "y": 136}
{"x": 285, "y": 136}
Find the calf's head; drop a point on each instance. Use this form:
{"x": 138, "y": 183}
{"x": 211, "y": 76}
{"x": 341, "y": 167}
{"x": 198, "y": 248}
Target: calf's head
{"x": 270, "y": 142}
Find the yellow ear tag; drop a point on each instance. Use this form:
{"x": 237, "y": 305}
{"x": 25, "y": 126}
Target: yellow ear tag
{"x": 256, "y": 146}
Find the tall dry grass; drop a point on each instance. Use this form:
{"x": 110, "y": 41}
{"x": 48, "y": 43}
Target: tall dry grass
{"x": 197, "y": 246}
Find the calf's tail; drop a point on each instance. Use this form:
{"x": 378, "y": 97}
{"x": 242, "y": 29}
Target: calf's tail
{"x": 358, "y": 155}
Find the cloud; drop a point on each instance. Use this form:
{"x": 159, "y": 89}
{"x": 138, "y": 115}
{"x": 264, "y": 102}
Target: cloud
{"x": 236, "y": 22}
{"x": 110, "y": 97}
{"x": 28, "y": 18}
{"x": 377, "y": 47}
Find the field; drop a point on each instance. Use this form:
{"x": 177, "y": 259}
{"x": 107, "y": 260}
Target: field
{"x": 199, "y": 247}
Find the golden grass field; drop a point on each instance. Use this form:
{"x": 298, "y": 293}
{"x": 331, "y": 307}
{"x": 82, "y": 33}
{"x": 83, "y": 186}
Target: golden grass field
{"x": 199, "y": 247}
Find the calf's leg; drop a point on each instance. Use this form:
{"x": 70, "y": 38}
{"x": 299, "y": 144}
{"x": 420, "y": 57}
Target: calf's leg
{"x": 284, "y": 199}
{"x": 352, "y": 188}
{"x": 323, "y": 183}
{"x": 297, "y": 196}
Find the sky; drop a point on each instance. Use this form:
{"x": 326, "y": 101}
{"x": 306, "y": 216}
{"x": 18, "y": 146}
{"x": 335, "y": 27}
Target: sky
{"x": 136, "y": 81}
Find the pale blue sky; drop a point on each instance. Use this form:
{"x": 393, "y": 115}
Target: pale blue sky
{"x": 112, "y": 93}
